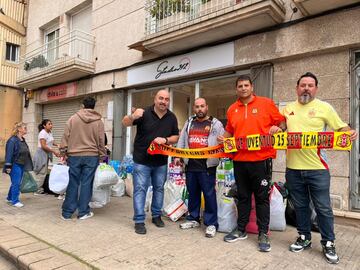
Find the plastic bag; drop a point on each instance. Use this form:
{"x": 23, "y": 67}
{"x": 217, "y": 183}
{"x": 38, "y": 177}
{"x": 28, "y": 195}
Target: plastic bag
{"x": 100, "y": 197}
{"x": 227, "y": 212}
{"x": 149, "y": 195}
{"x": 176, "y": 210}
{"x": 59, "y": 178}
{"x": 174, "y": 192}
{"x": 225, "y": 175}
{"x": 277, "y": 211}
{"x": 28, "y": 184}
{"x": 129, "y": 186}
{"x": 118, "y": 189}
{"x": 105, "y": 175}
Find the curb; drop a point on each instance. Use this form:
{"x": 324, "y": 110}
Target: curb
{"x": 29, "y": 252}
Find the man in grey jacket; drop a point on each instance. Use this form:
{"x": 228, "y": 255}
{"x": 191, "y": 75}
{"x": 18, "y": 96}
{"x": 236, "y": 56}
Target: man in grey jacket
{"x": 201, "y": 131}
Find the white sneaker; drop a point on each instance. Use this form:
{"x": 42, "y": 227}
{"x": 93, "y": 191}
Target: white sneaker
{"x": 189, "y": 224}
{"x": 18, "y": 205}
{"x": 61, "y": 197}
{"x": 210, "y": 231}
{"x": 89, "y": 215}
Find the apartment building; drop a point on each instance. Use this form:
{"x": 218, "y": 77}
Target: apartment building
{"x": 12, "y": 37}
{"x": 121, "y": 52}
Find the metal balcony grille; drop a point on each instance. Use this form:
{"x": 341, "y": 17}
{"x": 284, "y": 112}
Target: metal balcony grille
{"x": 165, "y": 14}
{"x": 74, "y": 47}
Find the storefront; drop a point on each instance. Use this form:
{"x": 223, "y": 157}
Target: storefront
{"x": 209, "y": 73}
{"x": 58, "y": 103}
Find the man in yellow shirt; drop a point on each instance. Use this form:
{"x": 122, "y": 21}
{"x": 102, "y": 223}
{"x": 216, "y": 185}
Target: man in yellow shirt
{"x": 307, "y": 172}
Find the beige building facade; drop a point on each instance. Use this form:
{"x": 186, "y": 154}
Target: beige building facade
{"x": 12, "y": 38}
{"x": 121, "y": 52}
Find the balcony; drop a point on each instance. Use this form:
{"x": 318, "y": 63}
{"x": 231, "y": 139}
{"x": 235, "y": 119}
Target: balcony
{"x": 176, "y": 25}
{"x": 63, "y": 59}
{"x": 311, "y": 7}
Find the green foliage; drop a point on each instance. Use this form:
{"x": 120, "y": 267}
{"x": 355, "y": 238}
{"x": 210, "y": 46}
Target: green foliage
{"x": 161, "y": 9}
{"x": 38, "y": 61}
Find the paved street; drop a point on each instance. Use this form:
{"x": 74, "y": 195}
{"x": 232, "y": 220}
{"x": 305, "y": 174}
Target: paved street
{"x": 107, "y": 241}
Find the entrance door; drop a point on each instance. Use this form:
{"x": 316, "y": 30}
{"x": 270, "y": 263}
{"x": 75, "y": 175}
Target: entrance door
{"x": 355, "y": 120}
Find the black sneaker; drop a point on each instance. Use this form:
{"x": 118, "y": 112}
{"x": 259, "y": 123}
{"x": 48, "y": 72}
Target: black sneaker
{"x": 330, "y": 252}
{"x": 300, "y": 244}
{"x": 235, "y": 235}
{"x": 264, "y": 242}
{"x": 140, "y": 228}
{"x": 158, "y": 222}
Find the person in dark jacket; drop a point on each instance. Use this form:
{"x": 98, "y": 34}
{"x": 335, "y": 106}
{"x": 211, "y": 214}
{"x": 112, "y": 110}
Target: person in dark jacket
{"x": 17, "y": 160}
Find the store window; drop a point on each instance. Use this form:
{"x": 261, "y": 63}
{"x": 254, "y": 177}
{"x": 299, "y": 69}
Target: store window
{"x": 219, "y": 95}
{"x": 355, "y": 120}
{"x": 219, "y": 92}
{"x": 12, "y": 52}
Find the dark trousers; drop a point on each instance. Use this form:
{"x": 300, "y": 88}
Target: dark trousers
{"x": 314, "y": 184}
{"x": 79, "y": 190}
{"x": 197, "y": 182}
{"x": 253, "y": 177}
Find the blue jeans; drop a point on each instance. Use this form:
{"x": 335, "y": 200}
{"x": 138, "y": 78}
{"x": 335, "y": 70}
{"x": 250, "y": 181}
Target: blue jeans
{"x": 144, "y": 176}
{"x": 81, "y": 176}
{"x": 16, "y": 176}
{"x": 314, "y": 184}
{"x": 197, "y": 182}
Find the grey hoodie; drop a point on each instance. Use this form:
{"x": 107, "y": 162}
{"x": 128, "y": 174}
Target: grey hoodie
{"x": 84, "y": 134}
{"x": 216, "y": 129}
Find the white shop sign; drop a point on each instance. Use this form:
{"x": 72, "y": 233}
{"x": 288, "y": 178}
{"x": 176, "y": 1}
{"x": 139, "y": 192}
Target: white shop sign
{"x": 198, "y": 61}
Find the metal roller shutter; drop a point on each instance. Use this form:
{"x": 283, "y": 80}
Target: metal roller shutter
{"x": 59, "y": 113}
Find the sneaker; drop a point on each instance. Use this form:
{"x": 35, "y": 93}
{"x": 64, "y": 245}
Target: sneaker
{"x": 189, "y": 224}
{"x": 158, "y": 222}
{"x": 140, "y": 228}
{"x": 88, "y": 215}
{"x": 39, "y": 192}
{"x": 18, "y": 205}
{"x": 264, "y": 242}
{"x": 61, "y": 197}
{"x": 210, "y": 231}
{"x": 300, "y": 244}
{"x": 330, "y": 252}
{"x": 65, "y": 218}
{"x": 235, "y": 235}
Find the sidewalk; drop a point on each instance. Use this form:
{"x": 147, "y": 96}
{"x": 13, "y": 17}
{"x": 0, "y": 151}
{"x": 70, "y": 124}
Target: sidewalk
{"x": 36, "y": 238}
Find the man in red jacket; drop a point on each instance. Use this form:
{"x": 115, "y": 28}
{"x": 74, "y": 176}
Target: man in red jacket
{"x": 252, "y": 114}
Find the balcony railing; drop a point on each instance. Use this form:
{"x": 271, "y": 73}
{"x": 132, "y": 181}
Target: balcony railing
{"x": 165, "y": 14}
{"x": 74, "y": 48}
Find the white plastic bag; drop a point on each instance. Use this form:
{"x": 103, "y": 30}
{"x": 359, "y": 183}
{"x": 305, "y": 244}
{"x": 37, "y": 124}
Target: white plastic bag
{"x": 227, "y": 212}
{"x": 59, "y": 178}
{"x": 277, "y": 211}
{"x": 118, "y": 189}
{"x": 129, "y": 187}
{"x": 100, "y": 197}
{"x": 172, "y": 192}
{"x": 105, "y": 175}
{"x": 148, "y": 200}
{"x": 176, "y": 210}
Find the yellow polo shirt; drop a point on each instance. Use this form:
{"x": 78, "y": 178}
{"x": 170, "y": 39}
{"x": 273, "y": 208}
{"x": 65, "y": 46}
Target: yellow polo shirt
{"x": 315, "y": 116}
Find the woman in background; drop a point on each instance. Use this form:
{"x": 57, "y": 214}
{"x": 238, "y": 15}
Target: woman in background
{"x": 17, "y": 160}
{"x": 45, "y": 152}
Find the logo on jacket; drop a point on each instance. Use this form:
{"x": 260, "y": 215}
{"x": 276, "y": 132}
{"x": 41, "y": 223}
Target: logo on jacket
{"x": 254, "y": 111}
{"x": 264, "y": 183}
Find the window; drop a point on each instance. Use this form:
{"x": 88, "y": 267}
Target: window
{"x": 12, "y": 52}
{"x": 52, "y": 41}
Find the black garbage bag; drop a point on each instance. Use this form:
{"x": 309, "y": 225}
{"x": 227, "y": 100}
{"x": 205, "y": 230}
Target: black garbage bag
{"x": 290, "y": 215}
